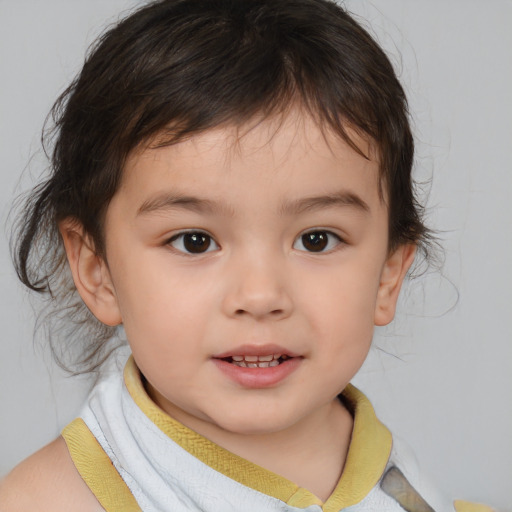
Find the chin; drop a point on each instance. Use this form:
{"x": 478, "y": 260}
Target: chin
{"x": 249, "y": 424}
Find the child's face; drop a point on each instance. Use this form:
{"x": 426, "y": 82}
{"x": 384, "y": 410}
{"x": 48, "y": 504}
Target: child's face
{"x": 274, "y": 243}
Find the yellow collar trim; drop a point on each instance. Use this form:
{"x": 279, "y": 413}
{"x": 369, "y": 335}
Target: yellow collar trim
{"x": 367, "y": 457}
{"x": 96, "y": 469}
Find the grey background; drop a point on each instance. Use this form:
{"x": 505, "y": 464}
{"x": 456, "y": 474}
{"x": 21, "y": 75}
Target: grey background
{"x": 440, "y": 377}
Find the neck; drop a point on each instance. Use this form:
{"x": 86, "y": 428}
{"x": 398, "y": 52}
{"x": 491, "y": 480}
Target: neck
{"x": 310, "y": 453}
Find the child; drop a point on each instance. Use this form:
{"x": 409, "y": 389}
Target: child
{"x": 231, "y": 183}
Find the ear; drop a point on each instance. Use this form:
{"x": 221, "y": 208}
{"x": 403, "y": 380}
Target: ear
{"x": 391, "y": 279}
{"x": 90, "y": 273}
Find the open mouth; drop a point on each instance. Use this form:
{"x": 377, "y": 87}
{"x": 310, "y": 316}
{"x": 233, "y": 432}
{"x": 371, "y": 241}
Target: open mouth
{"x": 266, "y": 361}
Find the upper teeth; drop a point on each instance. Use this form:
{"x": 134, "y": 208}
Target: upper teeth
{"x": 256, "y": 361}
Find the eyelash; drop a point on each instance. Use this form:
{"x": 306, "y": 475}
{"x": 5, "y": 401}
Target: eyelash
{"x": 327, "y": 241}
{"x": 179, "y": 241}
{"x": 319, "y": 241}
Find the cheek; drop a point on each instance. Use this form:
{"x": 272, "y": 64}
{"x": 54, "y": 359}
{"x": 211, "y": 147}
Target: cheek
{"x": 340, "y": 310}
{"x": 345, "y": 295}
{"x": 165, "y": 304}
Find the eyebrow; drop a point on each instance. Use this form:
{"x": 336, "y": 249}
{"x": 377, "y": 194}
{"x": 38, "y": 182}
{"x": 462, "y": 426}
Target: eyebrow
{"x": 341, "y": 198}
{"x": 169, "y": 201}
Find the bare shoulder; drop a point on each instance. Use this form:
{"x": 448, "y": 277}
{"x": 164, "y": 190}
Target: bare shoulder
{"x": 47, "y": 481}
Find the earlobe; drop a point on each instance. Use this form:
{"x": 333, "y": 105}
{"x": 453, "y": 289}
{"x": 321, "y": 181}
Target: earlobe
{"x": 392, "y": 277}
{"x": 90, "y": 273}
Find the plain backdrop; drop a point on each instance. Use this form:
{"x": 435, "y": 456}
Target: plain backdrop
{"x": 440, "y": 377}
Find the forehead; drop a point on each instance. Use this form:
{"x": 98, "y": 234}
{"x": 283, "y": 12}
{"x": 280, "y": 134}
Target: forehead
{"x": 292, "y": 149}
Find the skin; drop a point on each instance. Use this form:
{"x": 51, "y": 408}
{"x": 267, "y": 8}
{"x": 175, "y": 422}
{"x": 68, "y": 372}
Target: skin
{"x": 47, "y": 482}
{"x": 252, "y": 195}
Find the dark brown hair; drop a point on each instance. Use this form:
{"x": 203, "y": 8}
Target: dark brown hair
{"x": 179, "y": 67}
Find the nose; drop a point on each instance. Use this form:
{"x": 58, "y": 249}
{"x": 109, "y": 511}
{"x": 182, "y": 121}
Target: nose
{"x": 256, "y": 287}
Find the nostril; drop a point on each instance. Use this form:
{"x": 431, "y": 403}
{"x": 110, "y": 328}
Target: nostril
{"x": 241, "y": 304}
{"x": 274, "y": 312}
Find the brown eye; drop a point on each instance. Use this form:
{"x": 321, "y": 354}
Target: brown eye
{"x": 193, "y": 242}
{"x": 317, "y": 241}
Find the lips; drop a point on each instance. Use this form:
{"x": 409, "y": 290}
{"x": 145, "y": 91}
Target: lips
{"x": 266, "y": 361}
{"x": 258, "y": 355}
{"x": 254, "y": 366}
